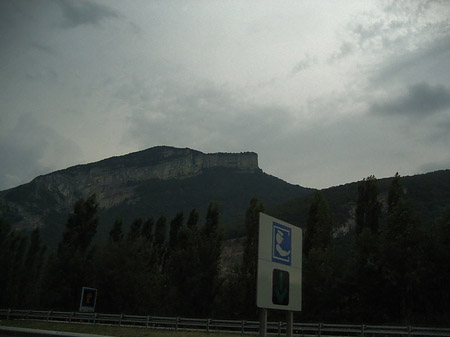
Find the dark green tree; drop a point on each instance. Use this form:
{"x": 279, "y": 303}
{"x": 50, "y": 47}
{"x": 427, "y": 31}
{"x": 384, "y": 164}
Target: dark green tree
{"x": 4, "y": 260}
{"x": 367, "y": 265}
{"x": 116, "y": 233}
{"x": 404, "y": 257}
{"x": 175, "y": 225}
{"x": 147, "y": 230}
{"x": 368, "y": 208}
{"x": 396, "y": 194}
{"x": 135, "y": 230}
{"x": 250, "y": 258}
{"x": 319, "y": 262}
{"x": 193, "y": 219}
{"x": 319, "y": 225}
{"x": 12, "y": 251}
{"x": 71, "y": 267}
{"x": 210, "y": 249}
{"x": 159, "y": 243}
{"x": 32, "y": 271}
{"x": 439, "y": 277}
{"x": 185, "y": 271}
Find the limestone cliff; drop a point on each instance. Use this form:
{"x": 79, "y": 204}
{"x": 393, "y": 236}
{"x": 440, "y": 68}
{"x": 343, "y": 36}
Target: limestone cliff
{"x": 115, "y": 179}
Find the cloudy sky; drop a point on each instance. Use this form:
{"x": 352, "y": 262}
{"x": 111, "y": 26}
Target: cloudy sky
{"x": 326, "y": 92}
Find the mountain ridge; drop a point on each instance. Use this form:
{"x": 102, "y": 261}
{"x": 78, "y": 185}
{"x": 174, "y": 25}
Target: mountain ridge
{"x": 157, "y": 181}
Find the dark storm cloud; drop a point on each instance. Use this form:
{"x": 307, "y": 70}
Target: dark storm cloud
{"x": 421, "y": 99}
{"x": 77, "y": 13}
{"x": 25, "y": 149}
{"x": 421, "y": 62}
{"x": 200, "y": 115}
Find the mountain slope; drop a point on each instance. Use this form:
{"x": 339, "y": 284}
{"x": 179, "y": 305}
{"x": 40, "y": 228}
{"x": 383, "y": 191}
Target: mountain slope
{"x": 154, "y": 182}
{"x": 428, "y": 194}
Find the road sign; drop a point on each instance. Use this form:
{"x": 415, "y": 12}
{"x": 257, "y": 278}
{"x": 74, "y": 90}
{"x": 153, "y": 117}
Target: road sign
{"x": 88, "y": 299}
{"x": 279, "y": 265}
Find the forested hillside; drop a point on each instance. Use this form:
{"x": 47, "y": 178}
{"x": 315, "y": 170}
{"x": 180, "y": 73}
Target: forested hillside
{"x": 391, "y": 267}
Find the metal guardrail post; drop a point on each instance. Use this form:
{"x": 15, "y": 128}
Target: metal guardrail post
{"x": 211, "y": 326}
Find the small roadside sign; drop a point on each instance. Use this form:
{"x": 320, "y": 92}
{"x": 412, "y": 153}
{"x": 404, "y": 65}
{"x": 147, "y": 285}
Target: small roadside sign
{"x": 88, "y": 299}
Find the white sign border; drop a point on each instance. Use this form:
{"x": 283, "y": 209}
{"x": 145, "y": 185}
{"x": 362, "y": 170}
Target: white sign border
{"x": 266, "y": 266}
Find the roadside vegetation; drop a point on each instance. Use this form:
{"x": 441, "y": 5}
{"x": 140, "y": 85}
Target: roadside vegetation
{"x": 391, "y": 268}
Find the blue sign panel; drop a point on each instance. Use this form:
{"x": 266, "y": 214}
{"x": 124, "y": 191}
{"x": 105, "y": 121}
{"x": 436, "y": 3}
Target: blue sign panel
{"x": 281, "y": 244}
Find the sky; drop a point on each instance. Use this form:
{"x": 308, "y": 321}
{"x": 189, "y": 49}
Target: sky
{"x": 325, "y": 92}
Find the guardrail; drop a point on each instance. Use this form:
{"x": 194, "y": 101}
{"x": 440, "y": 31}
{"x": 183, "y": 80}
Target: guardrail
{"x": 217, "y": 325}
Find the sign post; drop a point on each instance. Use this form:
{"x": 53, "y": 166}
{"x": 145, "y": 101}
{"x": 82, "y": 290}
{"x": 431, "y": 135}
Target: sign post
{"x": 279, "y": 282}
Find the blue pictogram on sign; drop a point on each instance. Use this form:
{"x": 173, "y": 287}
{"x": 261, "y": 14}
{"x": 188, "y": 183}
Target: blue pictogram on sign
{"x": 281, "y": 244}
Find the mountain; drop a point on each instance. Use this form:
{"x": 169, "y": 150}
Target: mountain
{"x": 165, "y": 180}
{"x": 157, "y": 181}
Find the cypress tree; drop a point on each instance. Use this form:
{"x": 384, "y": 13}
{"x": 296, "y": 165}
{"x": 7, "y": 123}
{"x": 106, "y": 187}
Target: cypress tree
{"x": 319, "y": 225}
{"x": 368, "y": 208}
{"x": 250, "y": 258}
{"x": 175, "y": 226}
{"x": 71, "y": 267}
{"x": 116, "y": 233}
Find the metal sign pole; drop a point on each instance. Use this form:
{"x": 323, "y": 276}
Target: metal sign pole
{"x": 289, "y": 323}
{"x": 263, "y": 322}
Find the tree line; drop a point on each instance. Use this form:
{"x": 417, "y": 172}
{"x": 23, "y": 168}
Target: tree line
{"x": 396, "y": 269}
{"x": 389, "y": 269}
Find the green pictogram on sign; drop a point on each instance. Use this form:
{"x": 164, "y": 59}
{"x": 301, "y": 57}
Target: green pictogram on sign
{"x": 280, "y": 287}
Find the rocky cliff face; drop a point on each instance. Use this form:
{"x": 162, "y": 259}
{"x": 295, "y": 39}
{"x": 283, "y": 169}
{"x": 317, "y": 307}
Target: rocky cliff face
{"x": 114, "y": 180}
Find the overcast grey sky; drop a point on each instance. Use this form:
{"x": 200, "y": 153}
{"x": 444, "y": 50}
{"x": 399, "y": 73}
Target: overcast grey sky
{"x": 326, "y": 92}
